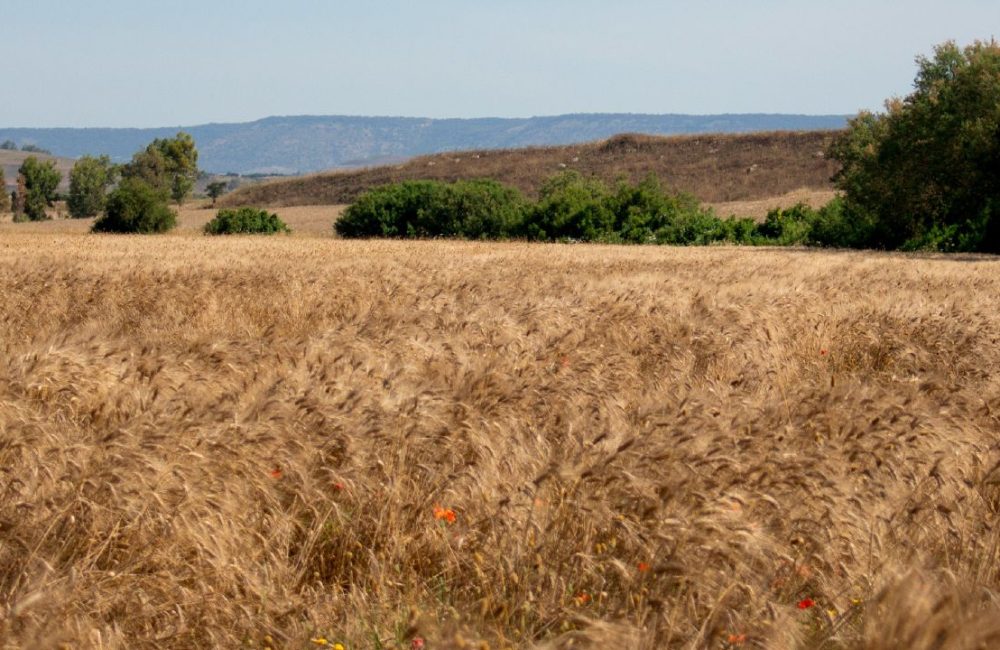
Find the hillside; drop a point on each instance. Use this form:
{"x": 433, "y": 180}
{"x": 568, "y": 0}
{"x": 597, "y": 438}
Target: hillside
{"x": 303, "y": 144}
{"x": 11, "y": 161}
{"x": 715, "y": 168}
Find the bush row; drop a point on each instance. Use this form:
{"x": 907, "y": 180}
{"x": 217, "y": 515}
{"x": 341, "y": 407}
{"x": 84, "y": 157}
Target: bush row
{"x": 574, "y": 208}
{"x": 137, "y": 207}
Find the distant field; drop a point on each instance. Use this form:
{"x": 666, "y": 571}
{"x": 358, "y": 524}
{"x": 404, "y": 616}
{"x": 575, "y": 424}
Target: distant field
{"x": 715, "y": 168}
{"x": 257, "y": 442}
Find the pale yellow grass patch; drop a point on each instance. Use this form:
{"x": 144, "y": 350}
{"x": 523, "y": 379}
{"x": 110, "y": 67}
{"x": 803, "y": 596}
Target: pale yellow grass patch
{"x": 758, "y": 208}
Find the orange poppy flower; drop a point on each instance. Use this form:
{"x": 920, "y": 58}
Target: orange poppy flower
{"x": 445, "y": 514}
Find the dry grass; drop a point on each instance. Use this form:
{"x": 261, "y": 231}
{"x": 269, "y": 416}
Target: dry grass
{"x": 715, "y": 168}
{"x": 758, "y": 208}
{"x": 241, "y": 442}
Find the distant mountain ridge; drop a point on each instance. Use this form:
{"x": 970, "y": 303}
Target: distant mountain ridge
{"x": 301, "y": 144}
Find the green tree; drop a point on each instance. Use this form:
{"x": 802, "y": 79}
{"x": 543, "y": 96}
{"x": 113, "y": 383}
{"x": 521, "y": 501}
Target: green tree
{"x": 8, "y": 145}
{"x": 136, "y": 207}
{"x": 926, "y": 173}
{"x": 89, "y": 181}
{"x": 40, "y": 182}
{"x": 216, "y": 189}
{"x": 169, "y": 164}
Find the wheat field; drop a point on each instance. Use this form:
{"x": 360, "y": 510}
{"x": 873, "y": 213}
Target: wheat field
{"x": 299, "y": 442}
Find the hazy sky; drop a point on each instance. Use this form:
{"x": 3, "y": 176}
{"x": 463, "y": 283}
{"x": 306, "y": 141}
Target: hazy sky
{"x": 185, "y": 62}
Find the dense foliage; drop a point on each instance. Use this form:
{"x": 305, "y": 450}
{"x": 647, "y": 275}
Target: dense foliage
{"x": 570, "y": 208}
{"x": 136, "y": 207}
{"x": 89, "y": 181}
{"x": 476, "y": 209}
{"x": 926, "y": 173}
{"x": 167, "y": 164}
{"x": 40, "y": 180}
{"x": 574, "y": 208}
{"x": 245, "y": 221}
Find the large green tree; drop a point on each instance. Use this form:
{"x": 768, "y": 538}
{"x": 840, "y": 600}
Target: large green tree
{"x": 926, "y": 172}
{"x": 89, "y": 181}
{"x": 136, "y": 207}
{"x": 40, "y": 182}
{"x": 168, "y": 164}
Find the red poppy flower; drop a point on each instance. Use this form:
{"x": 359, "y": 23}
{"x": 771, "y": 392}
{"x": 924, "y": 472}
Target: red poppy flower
{"x": 643, "y": 567}
{"x": 338, "y": 486}
{"x": 822, "y": 353}
{"x": 417, "y": 643}
{"x": 737, "y": 639}
{"x": 445, "y": 514}
{"x": 805, "y": 603}
{"x": 276, "y": 472}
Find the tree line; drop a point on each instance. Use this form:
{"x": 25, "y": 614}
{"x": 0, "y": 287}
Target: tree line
{"x": 132, "y": 197}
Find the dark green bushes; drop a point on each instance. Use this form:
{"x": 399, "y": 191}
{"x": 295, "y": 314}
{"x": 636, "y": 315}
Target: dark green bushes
{"x": 476, "y": 209}
{"x": 136, "y": 207}
{"x": 570, "y": 208}
{"x": 245, "y": 221}
{"x": 574, "y": 208}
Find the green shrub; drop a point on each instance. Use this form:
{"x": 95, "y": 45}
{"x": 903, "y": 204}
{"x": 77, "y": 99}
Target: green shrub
{"x": 245, "y": 221}
{"x": 571, "y": 207}
{"x": 643, "y": 210}
{"x": 476, "y": 209}
{"x": 136, "y": 207}
{"x": 835, "y": 225}
{"x": 787, "y": 227}
{"x": 484, "y": 209}
{"x": 700, "y": 227}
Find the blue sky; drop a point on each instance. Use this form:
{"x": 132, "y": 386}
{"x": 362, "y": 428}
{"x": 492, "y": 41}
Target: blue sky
{"x": 184, "y": 62}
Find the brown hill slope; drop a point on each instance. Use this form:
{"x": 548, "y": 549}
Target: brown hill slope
{"x": 714, "y": 168}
